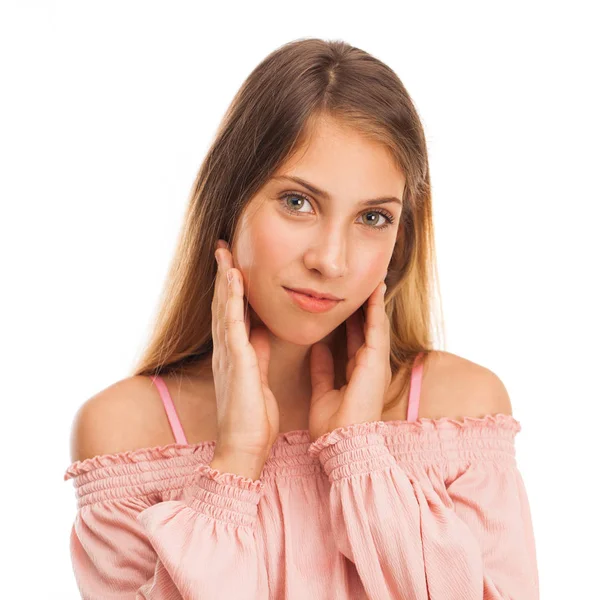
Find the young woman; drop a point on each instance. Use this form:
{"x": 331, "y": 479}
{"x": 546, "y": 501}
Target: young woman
{"x": 322, "y": 448}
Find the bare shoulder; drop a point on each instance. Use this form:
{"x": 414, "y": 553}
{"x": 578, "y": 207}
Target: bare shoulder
{"x": 124, "y": 416}
{"x": 456, "y": 387}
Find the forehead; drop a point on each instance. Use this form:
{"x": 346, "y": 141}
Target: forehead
{"x": 344, "y": 162}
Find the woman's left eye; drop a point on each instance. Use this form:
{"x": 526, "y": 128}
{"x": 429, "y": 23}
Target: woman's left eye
{"x": 388, "y": 218}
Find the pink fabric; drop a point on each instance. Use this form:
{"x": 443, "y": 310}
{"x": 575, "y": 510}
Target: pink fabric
{"x": 420, "y": 509}
{"x": 415, "y": 389}
{"x": 167, "y": 401}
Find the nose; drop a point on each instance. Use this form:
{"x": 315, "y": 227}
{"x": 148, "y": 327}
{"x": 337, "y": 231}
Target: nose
{"x": 328, "y": 254}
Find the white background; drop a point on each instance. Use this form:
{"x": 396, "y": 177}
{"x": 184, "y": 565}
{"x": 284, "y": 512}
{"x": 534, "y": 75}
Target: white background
{"x": 107, "y": 110}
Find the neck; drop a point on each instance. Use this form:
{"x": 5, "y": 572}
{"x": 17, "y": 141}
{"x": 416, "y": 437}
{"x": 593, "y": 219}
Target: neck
{"x": 289, "y": 367}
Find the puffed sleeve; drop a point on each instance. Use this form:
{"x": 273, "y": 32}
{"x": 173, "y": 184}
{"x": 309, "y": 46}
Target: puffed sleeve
{"x": 450, "y": 520}
{"x": 201, "y": 547}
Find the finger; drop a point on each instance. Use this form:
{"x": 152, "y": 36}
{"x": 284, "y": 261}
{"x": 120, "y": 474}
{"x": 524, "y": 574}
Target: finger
{"x": 219, "y": 301}
{"x": 227, "y": 259}
{"x": 375, "y": 352}
{"x": 259, "y": 340}
{"x": 214, "y": 308}
{"x": 322, "y": 371}
{"x": 236, "y": 339}
{"x": 355, "y": 336}
{"x": 375, "y": 325}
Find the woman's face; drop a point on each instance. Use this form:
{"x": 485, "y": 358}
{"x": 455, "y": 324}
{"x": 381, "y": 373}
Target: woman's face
{"x": 333, "y": 244}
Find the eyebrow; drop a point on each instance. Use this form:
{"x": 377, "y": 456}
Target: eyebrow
{"x": 317, "y": 192}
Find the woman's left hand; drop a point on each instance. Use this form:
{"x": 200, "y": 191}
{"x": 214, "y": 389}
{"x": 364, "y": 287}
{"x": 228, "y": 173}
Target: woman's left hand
{"x": 368, "y": 372}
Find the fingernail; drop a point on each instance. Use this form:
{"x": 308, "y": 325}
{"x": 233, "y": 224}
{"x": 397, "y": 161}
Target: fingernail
{"x": 384, "y": 289}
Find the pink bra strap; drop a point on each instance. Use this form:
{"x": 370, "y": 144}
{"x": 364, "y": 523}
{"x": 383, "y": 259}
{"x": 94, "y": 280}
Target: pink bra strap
{"x": 415, "y": 389}
{"x": 169, "y": 409}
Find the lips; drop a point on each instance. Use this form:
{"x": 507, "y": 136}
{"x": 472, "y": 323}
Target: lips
{"x": 315, "y": 294}
{"x": 310, "y": 303}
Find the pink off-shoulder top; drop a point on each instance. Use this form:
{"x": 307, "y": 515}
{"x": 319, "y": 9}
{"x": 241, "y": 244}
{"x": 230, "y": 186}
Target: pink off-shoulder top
{"x": 422, "y": 509}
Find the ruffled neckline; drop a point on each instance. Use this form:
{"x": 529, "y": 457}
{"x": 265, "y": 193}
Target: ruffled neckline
{"x": 294, "y": 437}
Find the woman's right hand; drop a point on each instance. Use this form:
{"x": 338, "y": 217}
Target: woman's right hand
{"x": 247, "y": 411}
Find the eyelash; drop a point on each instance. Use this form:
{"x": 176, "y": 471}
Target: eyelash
{"x": 388, "y": 217}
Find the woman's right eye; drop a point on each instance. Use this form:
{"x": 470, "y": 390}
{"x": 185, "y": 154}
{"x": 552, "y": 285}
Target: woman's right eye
{"x": 285, "y": 197}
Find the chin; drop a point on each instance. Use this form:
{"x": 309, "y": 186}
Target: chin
{"x": 302, "y": 331}
{"x": 301, "y": 334}
{"x": 292, "y": 325}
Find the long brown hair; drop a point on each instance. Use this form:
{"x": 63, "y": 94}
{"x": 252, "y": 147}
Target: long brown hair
{"x": 269, "y": 118}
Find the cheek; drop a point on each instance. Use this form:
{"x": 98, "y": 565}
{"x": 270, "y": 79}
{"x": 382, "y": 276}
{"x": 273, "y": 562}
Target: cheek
{"x": 264, "y": 247}
{"x": 368, "y": 269}
{"x": 273, "y": 239}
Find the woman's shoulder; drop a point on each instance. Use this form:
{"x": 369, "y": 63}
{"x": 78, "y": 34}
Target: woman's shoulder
{"x": 455, "y": 387}
{"x": 124, "y": 416}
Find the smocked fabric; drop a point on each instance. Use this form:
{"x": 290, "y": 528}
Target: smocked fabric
{"x": 414, "y": 510}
